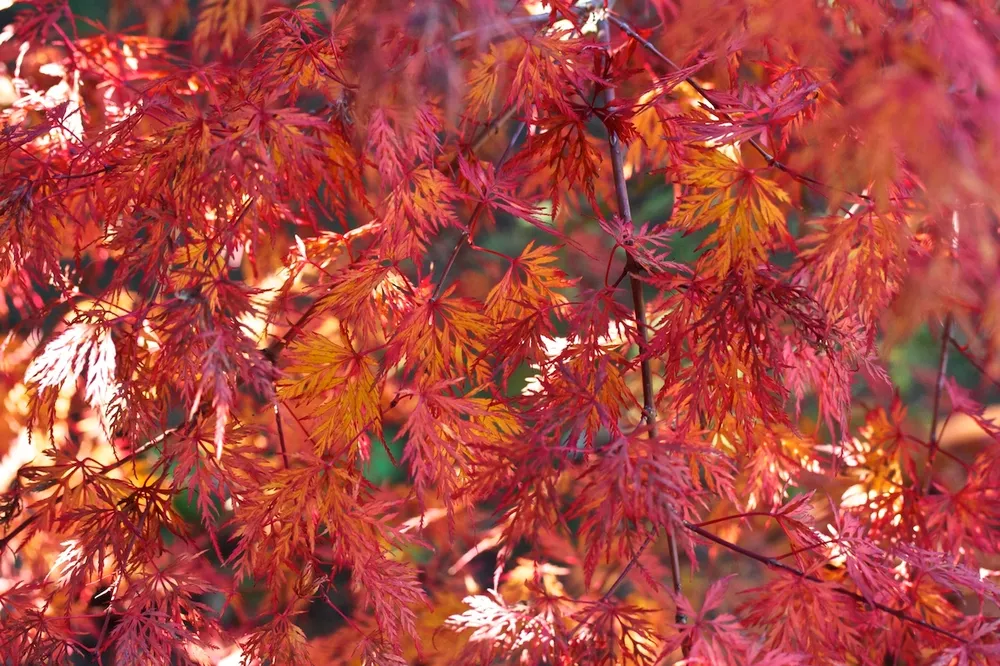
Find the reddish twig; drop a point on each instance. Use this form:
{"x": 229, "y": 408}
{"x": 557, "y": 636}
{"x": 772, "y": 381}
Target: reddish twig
{"x": 281, "y": 432}
{"x": 106, "y": 469}
{"x": 942, "y": 375}
{"x": 466, "y": 236}
{"x": 615, "y": 584}
{"x": 775, "y": 564}
{"x": 974, "y": 362}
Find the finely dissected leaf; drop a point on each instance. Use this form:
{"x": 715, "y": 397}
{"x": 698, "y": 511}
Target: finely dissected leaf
{"x": 419, "y": 207}
{"x": 856, "y": 260}
{"x": 547, "y": 63}
{"x": 82, "y": 350}
{"x": 757, "y": 112}
{"x": 493, "y": 190}
{"x": 483, "y": 78}
{"x": 569, "y": 153}
{"x": 728, "y": 333}
{"x": 646, "y": 247}
{"x": 365, "y": 294}
{"x": 868, "y": 566}
{"x": 225, "y": 18}
{"x": 744, "y": 209}
{"x": 715, "y": 638}
{"x": 788, "y": 618}
{"x": 617, "y": 633}
{"x": 530, "y": 282}
{"x": 338, "y": 387}
{"x": 634, "y": 481}
{"x": 445, "y": 433}
{"x": 502, "y": 629}
{"x": 443, "y": 336}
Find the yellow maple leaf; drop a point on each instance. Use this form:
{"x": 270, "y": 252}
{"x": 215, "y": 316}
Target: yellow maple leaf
{"x": 482, "y": 83}
{"x": 340, "y": 387}
{"x": 745, "y": 209}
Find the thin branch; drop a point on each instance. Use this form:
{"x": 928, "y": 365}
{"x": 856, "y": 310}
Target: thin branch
{"x": 99, "y": 647}
{"x": 974, "y": 362}
{"x": 278, "y": 345}
{"x": 942, "y": 375}
{"x": 96, "y": 172}
{"x": 775, "y": 564}
{"x": 740, "y": 516}
{"x": 494, "y": 30}
{"x": 615, "y": 584}
{"x": 628, "y": 568}
{"x": 506, "y": 29}
{"x": 272, "y": 352}
{"x": 942, "y": 372}
{"x": 281, "y": 432}
{"x": 490, "y": 130}
{"x": 466, "y": 236}
{"x": 639, "y": 308}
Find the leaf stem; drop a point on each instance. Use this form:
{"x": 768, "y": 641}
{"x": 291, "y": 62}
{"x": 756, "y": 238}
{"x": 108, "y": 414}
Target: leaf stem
{"x": 974, "y": 362}
{"x": 616, "y": 583}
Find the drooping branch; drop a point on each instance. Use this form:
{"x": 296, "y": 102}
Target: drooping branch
{"x": 106, "y": 469}
{"x": 615, "y": 583}
{"x": 754, "y": 143}
{"x": 775, "y": 564}
{"x": 272, "y": 352}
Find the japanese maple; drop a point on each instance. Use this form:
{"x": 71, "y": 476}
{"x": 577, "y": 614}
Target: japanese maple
{"x": 491, "y": 332}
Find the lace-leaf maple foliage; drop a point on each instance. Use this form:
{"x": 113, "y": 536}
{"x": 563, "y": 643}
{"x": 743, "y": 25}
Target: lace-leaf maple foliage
{"x": 614, "y": 296}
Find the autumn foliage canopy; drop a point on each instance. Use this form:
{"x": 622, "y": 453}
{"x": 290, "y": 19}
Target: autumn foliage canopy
{"x": 500, "y": 332}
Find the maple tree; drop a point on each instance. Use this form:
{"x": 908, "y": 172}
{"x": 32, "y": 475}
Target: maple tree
{"x": 487, "y": 332}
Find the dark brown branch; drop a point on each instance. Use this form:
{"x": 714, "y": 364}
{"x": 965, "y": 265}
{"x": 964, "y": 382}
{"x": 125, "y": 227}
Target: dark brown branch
{"x": 281, "y": 432}
{"x": 278, "y": 345}
{"x": 490, "y": 130}
{"x": 639, "y": 308}
{"x": 775, "y": 564}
